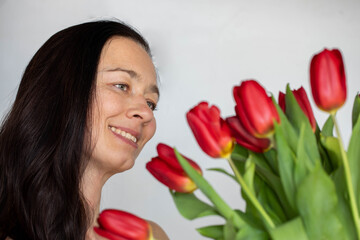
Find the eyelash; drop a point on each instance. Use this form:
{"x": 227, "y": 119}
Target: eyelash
{"x": 151, "y": 105}
{"x": 120, "y": 86}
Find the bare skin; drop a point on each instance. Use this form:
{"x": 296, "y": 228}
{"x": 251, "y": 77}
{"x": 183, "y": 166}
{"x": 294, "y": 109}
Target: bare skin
{"x": 122, "y": 119}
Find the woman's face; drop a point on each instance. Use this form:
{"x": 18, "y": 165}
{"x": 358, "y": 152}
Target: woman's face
{"x": 122, "y": 110}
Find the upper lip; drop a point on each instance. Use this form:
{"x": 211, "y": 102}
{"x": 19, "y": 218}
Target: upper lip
{"x": 131, "y": 131}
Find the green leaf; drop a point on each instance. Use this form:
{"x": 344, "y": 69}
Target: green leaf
{"x": 251, "y": 234}
{"x": 293, "y": 230}
{"x": 271, "y": 158}
{"x": 301, "y": 123}
{"x": 255, "y": 230}
{"x": 254, "y": 222}
{"x": 190, "y": 207}
{"x": 245, "y": 233}
{"x": 220, "y": 205}
{"x": 261, "y": 161}
{"x": 327, "y": 131}
{"x": 317, "y": 204}
{"x": 271, "y": 204}
{"x": 252, "y": 212}
{"x": 249, "y": 174}
{"x": 224, "y": 172}
{"x": 303, "y": 164}
{"x": 239, "y": 153}
{"x": 214, "y": 231}
{"x": 287, "y": 130}
{"x": 294, "y": 112}
{"x": 328, "y": 128}
{"x": 343, "y": 206}
{"x": 275, "y": 184}
{"x": 354, "y": 160}
{"x": 355, "y": 110}
{"x": 331, "y": 144}
{"x": 325, "y": 159}
{"x": 240, "y": 166}
{"x": 264, "y": 172}
{"x": 309, "y": 146}
{"x": 286, "y": 162}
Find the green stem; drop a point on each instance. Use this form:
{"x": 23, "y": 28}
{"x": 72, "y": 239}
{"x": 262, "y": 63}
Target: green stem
{"x": 221, "y": 206}
{"x": 251, "y": 196}
{"x": 348, "y": 181}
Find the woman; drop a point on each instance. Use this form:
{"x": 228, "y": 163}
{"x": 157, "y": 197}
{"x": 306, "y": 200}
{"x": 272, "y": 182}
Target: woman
{"x": 83, "y": 112}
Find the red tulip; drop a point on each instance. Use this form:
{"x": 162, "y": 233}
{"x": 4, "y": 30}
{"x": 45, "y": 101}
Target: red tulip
{"x": 255, "y": 108}
{"x": 108, "y": 235}
{"x": 244, "y": 138}
{"x": 167, "y": 170}
{"x": 303, "y": 101}
{"x": 119, "y": 225}
{"x": 210, "y": 130}
{"x": 328, "y": 81}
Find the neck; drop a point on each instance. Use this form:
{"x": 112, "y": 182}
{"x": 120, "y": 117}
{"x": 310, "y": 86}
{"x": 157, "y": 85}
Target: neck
{"x": 92, "y": 183}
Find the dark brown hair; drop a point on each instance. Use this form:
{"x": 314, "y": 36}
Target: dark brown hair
{"x": 42, "y": 137}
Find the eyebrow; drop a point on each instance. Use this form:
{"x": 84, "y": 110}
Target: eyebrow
{"x": 155, "y": 89}
{"x": 133, "y": 74}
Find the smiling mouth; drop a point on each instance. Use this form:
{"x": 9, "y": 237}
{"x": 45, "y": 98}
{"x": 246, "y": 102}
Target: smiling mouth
{"x": 123, "y": 133}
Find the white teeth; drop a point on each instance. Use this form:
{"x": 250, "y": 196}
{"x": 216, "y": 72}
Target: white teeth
{"x": 124, "y": 134}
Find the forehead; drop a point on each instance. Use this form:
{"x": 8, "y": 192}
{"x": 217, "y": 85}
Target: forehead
{"x": 122, "y": 52}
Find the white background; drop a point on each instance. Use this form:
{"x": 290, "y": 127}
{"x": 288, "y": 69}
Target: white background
{"x": 201, "y": 49}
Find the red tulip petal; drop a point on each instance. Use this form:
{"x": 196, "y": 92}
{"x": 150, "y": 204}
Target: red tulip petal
{"x": 281, "y": 101}
{"x": 244, "y": 138}
{"x": 124, "y": 224}
{"x": 167, "y": 154}
{"x": 328, "y": 81}
{"x": 303, "y": 100}
{"x": 239, "y": 109}
{"x": 177, "y": 181}
{"x": 203, "y": 136}
{"x": 255, "y": 108}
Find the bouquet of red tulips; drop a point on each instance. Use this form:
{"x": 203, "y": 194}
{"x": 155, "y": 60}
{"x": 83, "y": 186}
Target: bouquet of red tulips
{"x": 297, "y": 179}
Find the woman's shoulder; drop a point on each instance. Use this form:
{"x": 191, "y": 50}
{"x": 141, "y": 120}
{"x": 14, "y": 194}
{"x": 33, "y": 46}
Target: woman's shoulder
{"x": 158, "y": 232}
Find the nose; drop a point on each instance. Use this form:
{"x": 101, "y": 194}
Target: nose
{"x": 139, "y": 109}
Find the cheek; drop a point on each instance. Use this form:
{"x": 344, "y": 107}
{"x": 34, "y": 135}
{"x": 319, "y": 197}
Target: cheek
{"x": 109, "y": 105}
{"x": 99, "y": 112}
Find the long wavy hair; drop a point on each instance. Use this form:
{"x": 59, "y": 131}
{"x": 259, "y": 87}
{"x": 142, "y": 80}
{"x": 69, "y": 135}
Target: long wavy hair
{"x": 42, "y": 137}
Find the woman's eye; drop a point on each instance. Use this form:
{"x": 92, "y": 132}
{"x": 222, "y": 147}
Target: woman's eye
{"x": 121, "y": 86}
{"x": 151, "y": 105}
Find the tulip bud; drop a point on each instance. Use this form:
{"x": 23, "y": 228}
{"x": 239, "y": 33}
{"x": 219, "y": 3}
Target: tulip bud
{"x": 244, "y": 138}
{"x": 167, "y": 170}
{"x": 303, "y": 101}
{"x": 120, "y": 225}
{"x": 255, "y": 109}
{"x": 210, "y": 130}
{"x": 328, "y": 81}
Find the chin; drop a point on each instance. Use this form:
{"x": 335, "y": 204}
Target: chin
{"x": 124, "y": 166}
